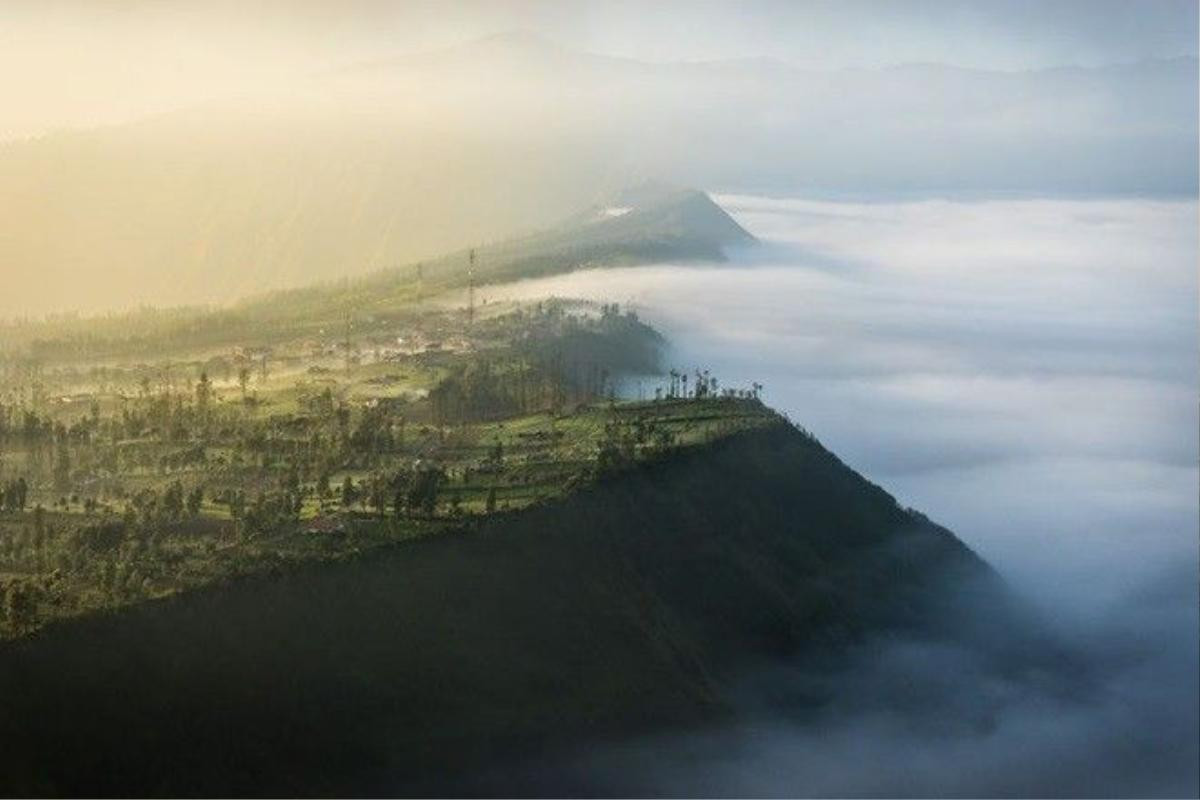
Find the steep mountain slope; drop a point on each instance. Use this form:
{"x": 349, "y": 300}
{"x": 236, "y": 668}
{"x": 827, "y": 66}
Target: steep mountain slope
{"x": 633, "y": 606}
{"x": 649, "y": 223}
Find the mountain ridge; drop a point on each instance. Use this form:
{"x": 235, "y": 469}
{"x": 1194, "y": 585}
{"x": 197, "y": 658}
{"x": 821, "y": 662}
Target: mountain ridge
{"x": 657, "y": 222}
{"x": 532, "y": 43}
{"x": 633, "y": 606}
{"x": 345, "y": 174}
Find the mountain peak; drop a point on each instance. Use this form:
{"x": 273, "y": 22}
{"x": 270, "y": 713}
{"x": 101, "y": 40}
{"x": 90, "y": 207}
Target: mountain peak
{"x": 517, "y": 39}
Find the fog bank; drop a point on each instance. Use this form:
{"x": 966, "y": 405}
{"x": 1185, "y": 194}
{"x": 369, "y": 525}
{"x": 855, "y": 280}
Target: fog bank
{"x": 1024, "y": 372}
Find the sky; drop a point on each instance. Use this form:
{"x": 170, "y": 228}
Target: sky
{"x": 69, "y": 63}
{"x": 268, "y": 145}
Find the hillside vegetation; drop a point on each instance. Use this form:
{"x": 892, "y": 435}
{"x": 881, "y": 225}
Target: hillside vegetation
{"x": 634, "y": 605}
{"x": 130, "y": 482}
{"x": 150, "y": 453}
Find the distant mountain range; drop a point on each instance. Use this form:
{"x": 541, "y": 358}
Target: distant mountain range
{"x": 382, "y": 164}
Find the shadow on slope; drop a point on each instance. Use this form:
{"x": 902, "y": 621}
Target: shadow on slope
{"x": 642, "y": 604}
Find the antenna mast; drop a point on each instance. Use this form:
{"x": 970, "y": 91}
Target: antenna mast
{"x": 471, "y": 288}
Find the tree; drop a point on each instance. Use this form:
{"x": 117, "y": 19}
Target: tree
{"x": 423, "y": 492}
{"x": 378, "y": 497}
{"x": 173, "y": 500}
{"x": 349, "y": 492}
{"x": 195, "y": 499}
{"x": 19, "y": 606}
{"x": 62, "y": 466}
{"x": 237, "y": 505}
{"x": 491, "y": 500}
{"x": 291, "y": 480}
{"x": 203, "y": 395}
{"x": 401, "y": 482}
{"x": 39, "y": 525}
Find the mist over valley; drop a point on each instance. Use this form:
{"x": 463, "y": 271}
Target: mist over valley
{"x": 992, "y": 360}
{"x": 599, "y": 399}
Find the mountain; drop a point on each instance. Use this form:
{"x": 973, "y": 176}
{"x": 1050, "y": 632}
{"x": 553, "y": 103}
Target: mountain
{"x": 650, "y": 222}
{"x": 647, "y": 223}
{"x": 387, "y": 163}
{"x": 644, "y": 603}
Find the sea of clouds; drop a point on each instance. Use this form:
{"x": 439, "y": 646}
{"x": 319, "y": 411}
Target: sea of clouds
{"x": 1024, "y": 371}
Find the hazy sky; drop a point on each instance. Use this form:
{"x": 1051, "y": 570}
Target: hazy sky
{"x": 65, "y": 63}
{"x": 286, "y": 167}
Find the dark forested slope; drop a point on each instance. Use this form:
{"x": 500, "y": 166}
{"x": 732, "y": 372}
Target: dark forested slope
{"x": 632, "y": 606}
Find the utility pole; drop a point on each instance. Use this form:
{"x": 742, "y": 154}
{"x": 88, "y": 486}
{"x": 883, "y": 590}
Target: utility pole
{"x": 471, "y": 288}
{"x": 347, "y": 344}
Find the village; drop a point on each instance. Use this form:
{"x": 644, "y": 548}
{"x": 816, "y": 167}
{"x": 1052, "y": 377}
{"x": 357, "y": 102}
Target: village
{"x": 127, "y": 481}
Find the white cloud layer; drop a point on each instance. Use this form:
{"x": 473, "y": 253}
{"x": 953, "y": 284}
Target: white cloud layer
{"x": 1033, "y": 355}
{"x": 1025, "y": 372}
